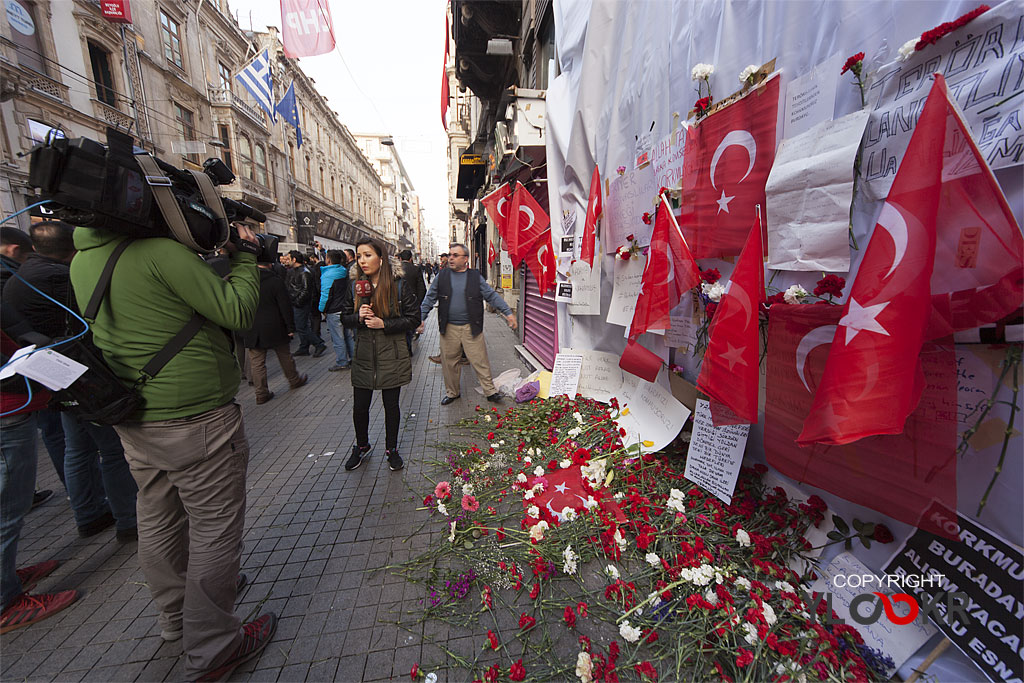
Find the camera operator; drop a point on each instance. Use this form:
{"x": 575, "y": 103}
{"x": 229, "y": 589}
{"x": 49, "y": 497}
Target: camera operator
{"x": 186, "y": 446}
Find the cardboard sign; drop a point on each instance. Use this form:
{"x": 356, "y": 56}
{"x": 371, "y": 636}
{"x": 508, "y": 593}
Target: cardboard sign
{"x": 989, "y": 571}
{"x": 716, "y": 453}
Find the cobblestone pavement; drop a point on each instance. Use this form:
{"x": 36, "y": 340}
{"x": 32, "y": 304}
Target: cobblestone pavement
{"x": 312, "y": 533}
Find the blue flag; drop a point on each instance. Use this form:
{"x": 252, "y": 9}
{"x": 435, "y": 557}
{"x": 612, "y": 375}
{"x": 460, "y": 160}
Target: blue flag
{"x": 256, "y": 79}
{"x": 288, "y": 108}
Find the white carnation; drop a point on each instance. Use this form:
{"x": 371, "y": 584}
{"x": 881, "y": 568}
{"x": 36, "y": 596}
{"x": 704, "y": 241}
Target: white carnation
{"x": 569, "y": 557}
{"x": 565, "y": 463}
{"x": 750, "y": 633}
{"x": 742, "y": 537}
{"x": 584, "y": 667}
{"x": 529, "y": 495}
{"x": 908, "y": 48}
{"x": 579, "y": 418}
{"x": 612, "y": 572}
{"x": 442, "y": 509}
{"x": 538, "y": 471}
{"x": 702, "y": 71}
{"x": 521, "y": 478}
{"x": 467, "y": 489}
{"x": 568, "y": 514}
{"x": 590, "y": 503}
{"x": 451, "y": 536}
{"x": 487, "y": 418}
{"x": 794, "y": 294}
{"x": 537, "y": 530}
{"x": 748, "y": 72}
{"x": 528, "y": 460}
{"x": 653, "y": 559}
{"x": 629, "y": 633}
{"x": 533, "y": 511}
{"x": 743, "y": 582}
{"x": 713, "y": 291}
{"x": 769, "y": 614}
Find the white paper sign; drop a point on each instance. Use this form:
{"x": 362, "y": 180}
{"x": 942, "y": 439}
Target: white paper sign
{"x": 685, "y": 323}
{"x": 586, "y": 287}
{"x": 629, "y": 197}
{"x": 667, "y": 159}
{"x": 981, "y": 63}
{"x": 568, "y": 222}
{"x": 716, "y": 453}
{"x": 600, "y": 376}
{"x": 655, "y": 416}
{"x": 643, "y": 148}
{"x": 899, "y": 642}
{"x": 565, "y": 374}
{"x": 811, "y": 98}
{"x": 563, "y": 292}
{"x": 809, "y": 193}
{"x": 628, "y": 279}
{"x": 51, "y": 369}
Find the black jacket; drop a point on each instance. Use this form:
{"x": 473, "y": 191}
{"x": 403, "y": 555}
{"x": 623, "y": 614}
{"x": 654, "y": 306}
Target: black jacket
{"x": 412, "y": 276}
{"x": 381, "y": 359}
{"x": 274, "y": 318}
{"x": 301, "y": 285}
{"x": 49, "y": 276}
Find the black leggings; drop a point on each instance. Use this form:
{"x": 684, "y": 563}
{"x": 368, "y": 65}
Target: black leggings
{"x": 361, "y": 399}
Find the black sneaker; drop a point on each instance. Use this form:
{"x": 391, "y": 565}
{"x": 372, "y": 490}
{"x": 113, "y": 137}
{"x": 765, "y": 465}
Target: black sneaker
{"x": 394, "y": 460}
{"x": 495, "y": 397}
{"x": 96, "y": 526}
{"x": 319, "y": 351}
{"x": 40, "y": 497}
{"x": 359, "y": 453}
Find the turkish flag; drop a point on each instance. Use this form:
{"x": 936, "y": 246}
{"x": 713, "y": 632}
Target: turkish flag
{"x": 527, "y": 223}
{"x": 492, "y": 256}
{"x": 564, "y": 489}
{"x": 594, "y": 211}
{"x": 497, "y": 206}
{"x": 306, "y": 28}
{"x": 541, "y": 262}
{"x": 726, "y": 162}
{"x": 729, "y": 374}
{"x": 897, "y": 475}
{"x": 445, "y": 88}
{"x": 946, "y": 254}
{"x": 640, "y": 361}
{"x": 670, "y": 271}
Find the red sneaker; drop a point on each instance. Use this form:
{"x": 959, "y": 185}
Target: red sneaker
{"x": 30, "y": 576}
{"x": 256, "y": 635}
{"x": 28, "y": 609}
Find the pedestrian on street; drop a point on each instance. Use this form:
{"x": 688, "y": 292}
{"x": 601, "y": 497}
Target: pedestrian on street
{"x": 330, "y": 306}
{"x": 272, "y": 328}
{"x": 352, "y": 264}
{"x": 301, "y": 286}
{"x": 460, "y": 292}
{"x": 98, "y": 480}
{"x": 412, "y": 277}
{"x": 186, "y": 445}
{"x": 382, "y": 360}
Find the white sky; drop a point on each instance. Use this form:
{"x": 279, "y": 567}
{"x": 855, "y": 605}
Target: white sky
{"x": 394, "y": 50}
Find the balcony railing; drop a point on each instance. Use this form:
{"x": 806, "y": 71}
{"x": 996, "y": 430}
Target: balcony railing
{"x": 223, "y": 96}
{"x": 111, "y": 115}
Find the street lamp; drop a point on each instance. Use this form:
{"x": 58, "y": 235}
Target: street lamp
{"x": 388, "y": 141}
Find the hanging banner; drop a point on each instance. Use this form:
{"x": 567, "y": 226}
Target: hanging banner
{"x": 306, "y": 28}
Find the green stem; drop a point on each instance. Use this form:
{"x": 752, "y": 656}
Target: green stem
{"x": 1012, "y": 363}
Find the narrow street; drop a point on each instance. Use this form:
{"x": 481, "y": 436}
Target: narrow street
{"x": 314, "y": 536}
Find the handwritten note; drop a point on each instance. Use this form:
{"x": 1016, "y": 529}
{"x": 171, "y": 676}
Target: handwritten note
{"x": 667, "y": 159}
{"x": 655, "y": 417}
{"x": 565, "y": 374}
{"x": 586, "y": 287}
{"x": 716, "y": 453}
{"x": 811, "y": 98}
{"x": 685, "y": 322}
{"x": 628, "y": 278}
{"x": 629, "y": 197}
{"x": 809, "y": 191}
{"x": 600, "y": 376}
{"x": 899, "y": 642}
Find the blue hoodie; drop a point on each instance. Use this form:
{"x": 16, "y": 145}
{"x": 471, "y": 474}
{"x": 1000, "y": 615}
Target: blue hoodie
{"x": 328, "y": 274}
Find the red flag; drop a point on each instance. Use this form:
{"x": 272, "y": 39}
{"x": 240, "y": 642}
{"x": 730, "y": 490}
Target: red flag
{"x": 564, "y": 489}
{"x": 729, "y": 374}
{"x": 491, "y": 254}
{"x": 306, "y": 28}
{"x": 527, "y": 224}
{"x": 497, "y": 206}
{"x": 640, "y": 361}
{"x": 897, "y": 475}
{"x": 594, "y": 211}
{"x": 728, "y": 156}
{"x": 541, "y": 262}
{"x": 944, "y": 236}
{"x": 445, "y": 92}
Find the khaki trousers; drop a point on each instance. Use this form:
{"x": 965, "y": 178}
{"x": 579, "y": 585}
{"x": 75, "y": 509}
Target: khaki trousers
{"x": 455, "y": 340}
{"x": 191, "y": 513}
{"x": 258, "y": 368}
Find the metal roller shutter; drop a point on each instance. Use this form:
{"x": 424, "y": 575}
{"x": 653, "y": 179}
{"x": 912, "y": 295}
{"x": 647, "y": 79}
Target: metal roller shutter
{"x": 540, "y": 330}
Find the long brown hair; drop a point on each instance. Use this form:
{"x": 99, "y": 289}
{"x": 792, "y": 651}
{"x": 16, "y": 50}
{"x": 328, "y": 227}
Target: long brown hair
{"x": 384, "y": 299}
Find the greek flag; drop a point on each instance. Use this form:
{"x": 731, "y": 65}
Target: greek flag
{"x": 289, "y": 111}
{"x": 256, "y": 79}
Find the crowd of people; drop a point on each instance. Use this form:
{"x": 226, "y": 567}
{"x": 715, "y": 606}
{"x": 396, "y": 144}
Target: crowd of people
{"x": 172, "y": 476}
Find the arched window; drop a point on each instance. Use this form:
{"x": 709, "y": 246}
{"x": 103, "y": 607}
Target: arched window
{"x": 309, "y": 176}
{"x": 332, "y": 189}
{"x": 260, "y": 166}
{"x": 323, "y": 188}
{"x": 291, "y": 157}
{"x": 244, "y": 156}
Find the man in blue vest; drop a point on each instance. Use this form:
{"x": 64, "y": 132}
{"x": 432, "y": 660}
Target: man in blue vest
{"x": 460, "y": 292}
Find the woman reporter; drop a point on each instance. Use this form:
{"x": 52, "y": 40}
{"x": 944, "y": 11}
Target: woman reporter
{"x": 380, "y": 311}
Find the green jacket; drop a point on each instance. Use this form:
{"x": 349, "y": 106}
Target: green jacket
{"x": 381, "y": 359}
{"x": 156, "y": 286}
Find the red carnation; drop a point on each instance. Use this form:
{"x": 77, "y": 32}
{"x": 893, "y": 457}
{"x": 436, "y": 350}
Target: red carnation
{"x": 526, "y": 622}
{"x": 882, "y": 534}
{"x": 494, "y": 640}
{"x": 852, "y": 63}
{"x": 630, "y": 237}
{"x": 569, "y": 616}
{"x": 710, "y": 309}
{"x": 518, "y": 671}
{"x": 932, "y": 36}
{"x": 646, "y": 218}
{"x": 415, "y": 673}
{"x": 710, "y": 276}
{"x": 701, "y": 105}
{"x": 581, "y": 607}
{"x": 745, "y": 658}
{"x": 647, "y": 670}
{"x": 830, "y": 285}
{"x": 534, "y": 591}
{"x": 624, "y": 255}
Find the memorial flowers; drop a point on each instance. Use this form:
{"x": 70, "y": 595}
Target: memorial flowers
{"x": 702, "y": 74}
{"x": 855, "y": 65}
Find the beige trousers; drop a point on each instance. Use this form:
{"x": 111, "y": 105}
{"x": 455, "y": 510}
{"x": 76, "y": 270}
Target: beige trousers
{"x": 191, "y": 512}
{"x": 258, "y": 369}
{"x": 455, "y": 340}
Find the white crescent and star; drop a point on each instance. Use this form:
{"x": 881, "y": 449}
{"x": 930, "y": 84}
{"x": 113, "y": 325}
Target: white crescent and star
{"x": 892, "y": 221}
{"x": 741, "y": 138}
{"x": 819, "y": 336}
{"x": 527, "y": 210}
{"x": 734, "y": 355}
{"x": 502, "y": 200}
{"x": 741, "y": 296}
{"x": 542, "y": 249}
